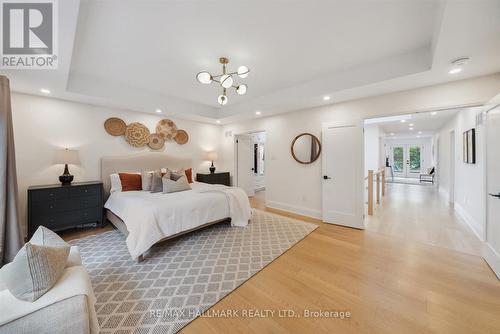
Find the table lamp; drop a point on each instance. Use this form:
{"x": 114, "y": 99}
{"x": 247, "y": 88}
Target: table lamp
{"x": 211, "y": 156}
{"x": 66, "y": 157}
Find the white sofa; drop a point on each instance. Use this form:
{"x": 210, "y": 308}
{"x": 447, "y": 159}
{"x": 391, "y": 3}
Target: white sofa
{"x": 68, "y": 307}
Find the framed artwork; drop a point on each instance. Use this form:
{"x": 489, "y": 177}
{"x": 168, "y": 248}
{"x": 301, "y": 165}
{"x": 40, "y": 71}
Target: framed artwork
{"x": 469, "y": 146}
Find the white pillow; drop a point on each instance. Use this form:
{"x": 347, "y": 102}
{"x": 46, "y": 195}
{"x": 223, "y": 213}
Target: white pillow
{"x": 116, "y": 183}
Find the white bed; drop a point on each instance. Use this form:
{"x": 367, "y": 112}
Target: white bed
{"x": 147, "y": 218}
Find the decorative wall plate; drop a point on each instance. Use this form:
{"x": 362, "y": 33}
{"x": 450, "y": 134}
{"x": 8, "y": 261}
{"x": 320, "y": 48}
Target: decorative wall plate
{"x": 115, "y": 126}
{"x": 166, "y": 129}
{"x": 182, "y": 137}
{"x": 156, "y": 142}
{"x": 137, "y": 135}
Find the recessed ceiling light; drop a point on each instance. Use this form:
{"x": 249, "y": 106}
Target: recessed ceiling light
{"x": 411, "y": 129}
{"x": 392, "y": 133}
{"x": 217, "y": 121}
{"x": 411, "y": 124}
{"x": 403, "y": 121}
{"x": 45, "y": 91}
{"x": 420, "y": 132}
{"x": 457, "y": 64}
{"x": 326, "y": 98}
{"x": 434, "y": 113}
{"x": 158, "y": 110}
{"x": 258, "y": 112}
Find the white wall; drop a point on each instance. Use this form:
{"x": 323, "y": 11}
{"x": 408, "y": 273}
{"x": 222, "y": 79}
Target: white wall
{"x": 470, "y": 189}
{"x": 296, "y": 187}
{"x": 373, "y": 150}
{"x": 42, "y": 125}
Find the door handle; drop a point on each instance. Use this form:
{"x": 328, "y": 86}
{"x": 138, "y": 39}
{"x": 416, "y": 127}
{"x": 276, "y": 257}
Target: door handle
{"x": 493, "y": 195}
{"x": 326, "y": 177}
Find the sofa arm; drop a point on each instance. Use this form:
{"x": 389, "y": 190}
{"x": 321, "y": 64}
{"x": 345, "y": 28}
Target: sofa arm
{"x": 67, "y": 316}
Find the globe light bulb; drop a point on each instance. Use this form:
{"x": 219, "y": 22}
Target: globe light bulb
{"x": 243, "y": 71}
{"x": 226, "y": 81}
{"x": 204, "y": 77}
{"x": 241, "y": 89}
{"x": 222, "y": 99}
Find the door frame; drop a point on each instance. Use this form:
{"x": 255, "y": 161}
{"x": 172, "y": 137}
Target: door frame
{"x": 488, "y": 253}
{"x": 235, "y": 152}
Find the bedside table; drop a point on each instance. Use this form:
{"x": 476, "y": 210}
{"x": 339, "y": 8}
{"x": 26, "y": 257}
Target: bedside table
{"x": 215, "y": 178}
{"x": 59, "y": 207}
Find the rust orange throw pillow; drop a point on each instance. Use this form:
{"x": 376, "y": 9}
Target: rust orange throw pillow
{"x": 130, "y": 182}
{"x": 189, "y": 174}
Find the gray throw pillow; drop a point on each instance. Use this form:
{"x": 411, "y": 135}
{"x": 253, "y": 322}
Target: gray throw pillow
{"x": 45, "y": 237}
{"x": 34, "y": 270}
{"x": 156, "y": 184}
{"x": 171, "y": 186}
{"x": 175, "y": 175}
{"x": 146, "y": 179}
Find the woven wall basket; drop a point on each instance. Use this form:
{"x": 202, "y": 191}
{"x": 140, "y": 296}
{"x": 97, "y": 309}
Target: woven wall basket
{"x": 156, "y": 142}
{"x": 137, "y": 135}
{"x": 182, "y": 137}
{"x": 115, "y": 126}
{"x": 166, "y": 129}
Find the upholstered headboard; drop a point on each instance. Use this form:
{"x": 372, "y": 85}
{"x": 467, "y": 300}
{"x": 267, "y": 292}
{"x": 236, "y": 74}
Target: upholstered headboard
{"x": 137, "y": 162}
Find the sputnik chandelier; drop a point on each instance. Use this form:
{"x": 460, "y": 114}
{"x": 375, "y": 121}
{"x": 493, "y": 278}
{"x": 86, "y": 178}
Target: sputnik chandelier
{"x": 225, "y": 80}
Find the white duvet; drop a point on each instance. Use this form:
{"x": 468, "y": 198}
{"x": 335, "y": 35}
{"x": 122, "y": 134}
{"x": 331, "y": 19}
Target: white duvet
{"x": 150, "y": 217}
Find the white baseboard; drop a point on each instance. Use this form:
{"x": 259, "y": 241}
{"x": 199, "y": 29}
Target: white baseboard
{"x": 471, "y": 222}
{"x": 492, "y": 258}
{"x": 294, "y": 209}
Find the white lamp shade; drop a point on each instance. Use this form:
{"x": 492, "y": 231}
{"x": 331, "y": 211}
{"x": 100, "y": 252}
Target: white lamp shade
{"x": 204, "y": 77}
{"x": 226, "y": 81}
{"x": 211, "y": 156}
{"x": 222, "y": 99}
{"x": 242, "y": 89}
{"x": 243, "y": 72}
{"x": 66, "y": 156}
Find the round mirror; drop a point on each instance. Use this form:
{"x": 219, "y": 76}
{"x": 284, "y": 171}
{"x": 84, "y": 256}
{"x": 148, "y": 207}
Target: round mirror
{"x": 306, "y": 148}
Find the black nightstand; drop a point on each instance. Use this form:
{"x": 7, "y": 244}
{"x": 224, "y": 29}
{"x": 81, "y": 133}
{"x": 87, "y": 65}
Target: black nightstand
{"x": 59, "y": 207}
{"x": 215, "y": 178}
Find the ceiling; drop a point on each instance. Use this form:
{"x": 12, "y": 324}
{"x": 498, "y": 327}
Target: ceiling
{"x": 144, "y": 55}
{"x": 416, "y": 125}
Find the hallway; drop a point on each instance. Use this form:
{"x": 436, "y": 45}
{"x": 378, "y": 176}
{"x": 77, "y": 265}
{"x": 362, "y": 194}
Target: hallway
{"x": 419, "y": 213}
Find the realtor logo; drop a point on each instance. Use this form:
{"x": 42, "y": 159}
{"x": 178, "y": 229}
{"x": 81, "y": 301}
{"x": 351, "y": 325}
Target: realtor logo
{"x": 29, "y": 34}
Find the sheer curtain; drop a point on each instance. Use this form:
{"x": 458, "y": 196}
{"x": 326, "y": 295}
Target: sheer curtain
{"x": 10, "y": 230}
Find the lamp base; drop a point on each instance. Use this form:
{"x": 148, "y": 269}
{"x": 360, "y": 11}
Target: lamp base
{"x": 66, "y": 179}
{"x": 212, "y": 168}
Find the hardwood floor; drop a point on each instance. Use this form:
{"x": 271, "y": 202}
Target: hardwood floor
{"x": 419, "y": 213}
{"x": 388, "y": 284}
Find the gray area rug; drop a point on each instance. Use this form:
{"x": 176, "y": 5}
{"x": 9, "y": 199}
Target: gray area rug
{"x": 180, "y": 278}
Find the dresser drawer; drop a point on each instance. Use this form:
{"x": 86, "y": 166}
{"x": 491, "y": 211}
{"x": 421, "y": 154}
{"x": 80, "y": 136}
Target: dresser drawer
{"x": 84, "y": 191}
{"x": 68, "y": 219}
{"x": 62, "y": 205}
{"x": 49, "y": 194}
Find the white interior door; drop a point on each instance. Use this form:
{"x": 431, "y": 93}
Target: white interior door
{"x": 491, "y": 251}
{"x": 245, "y": 177}
{"x": 342, "y": 164}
